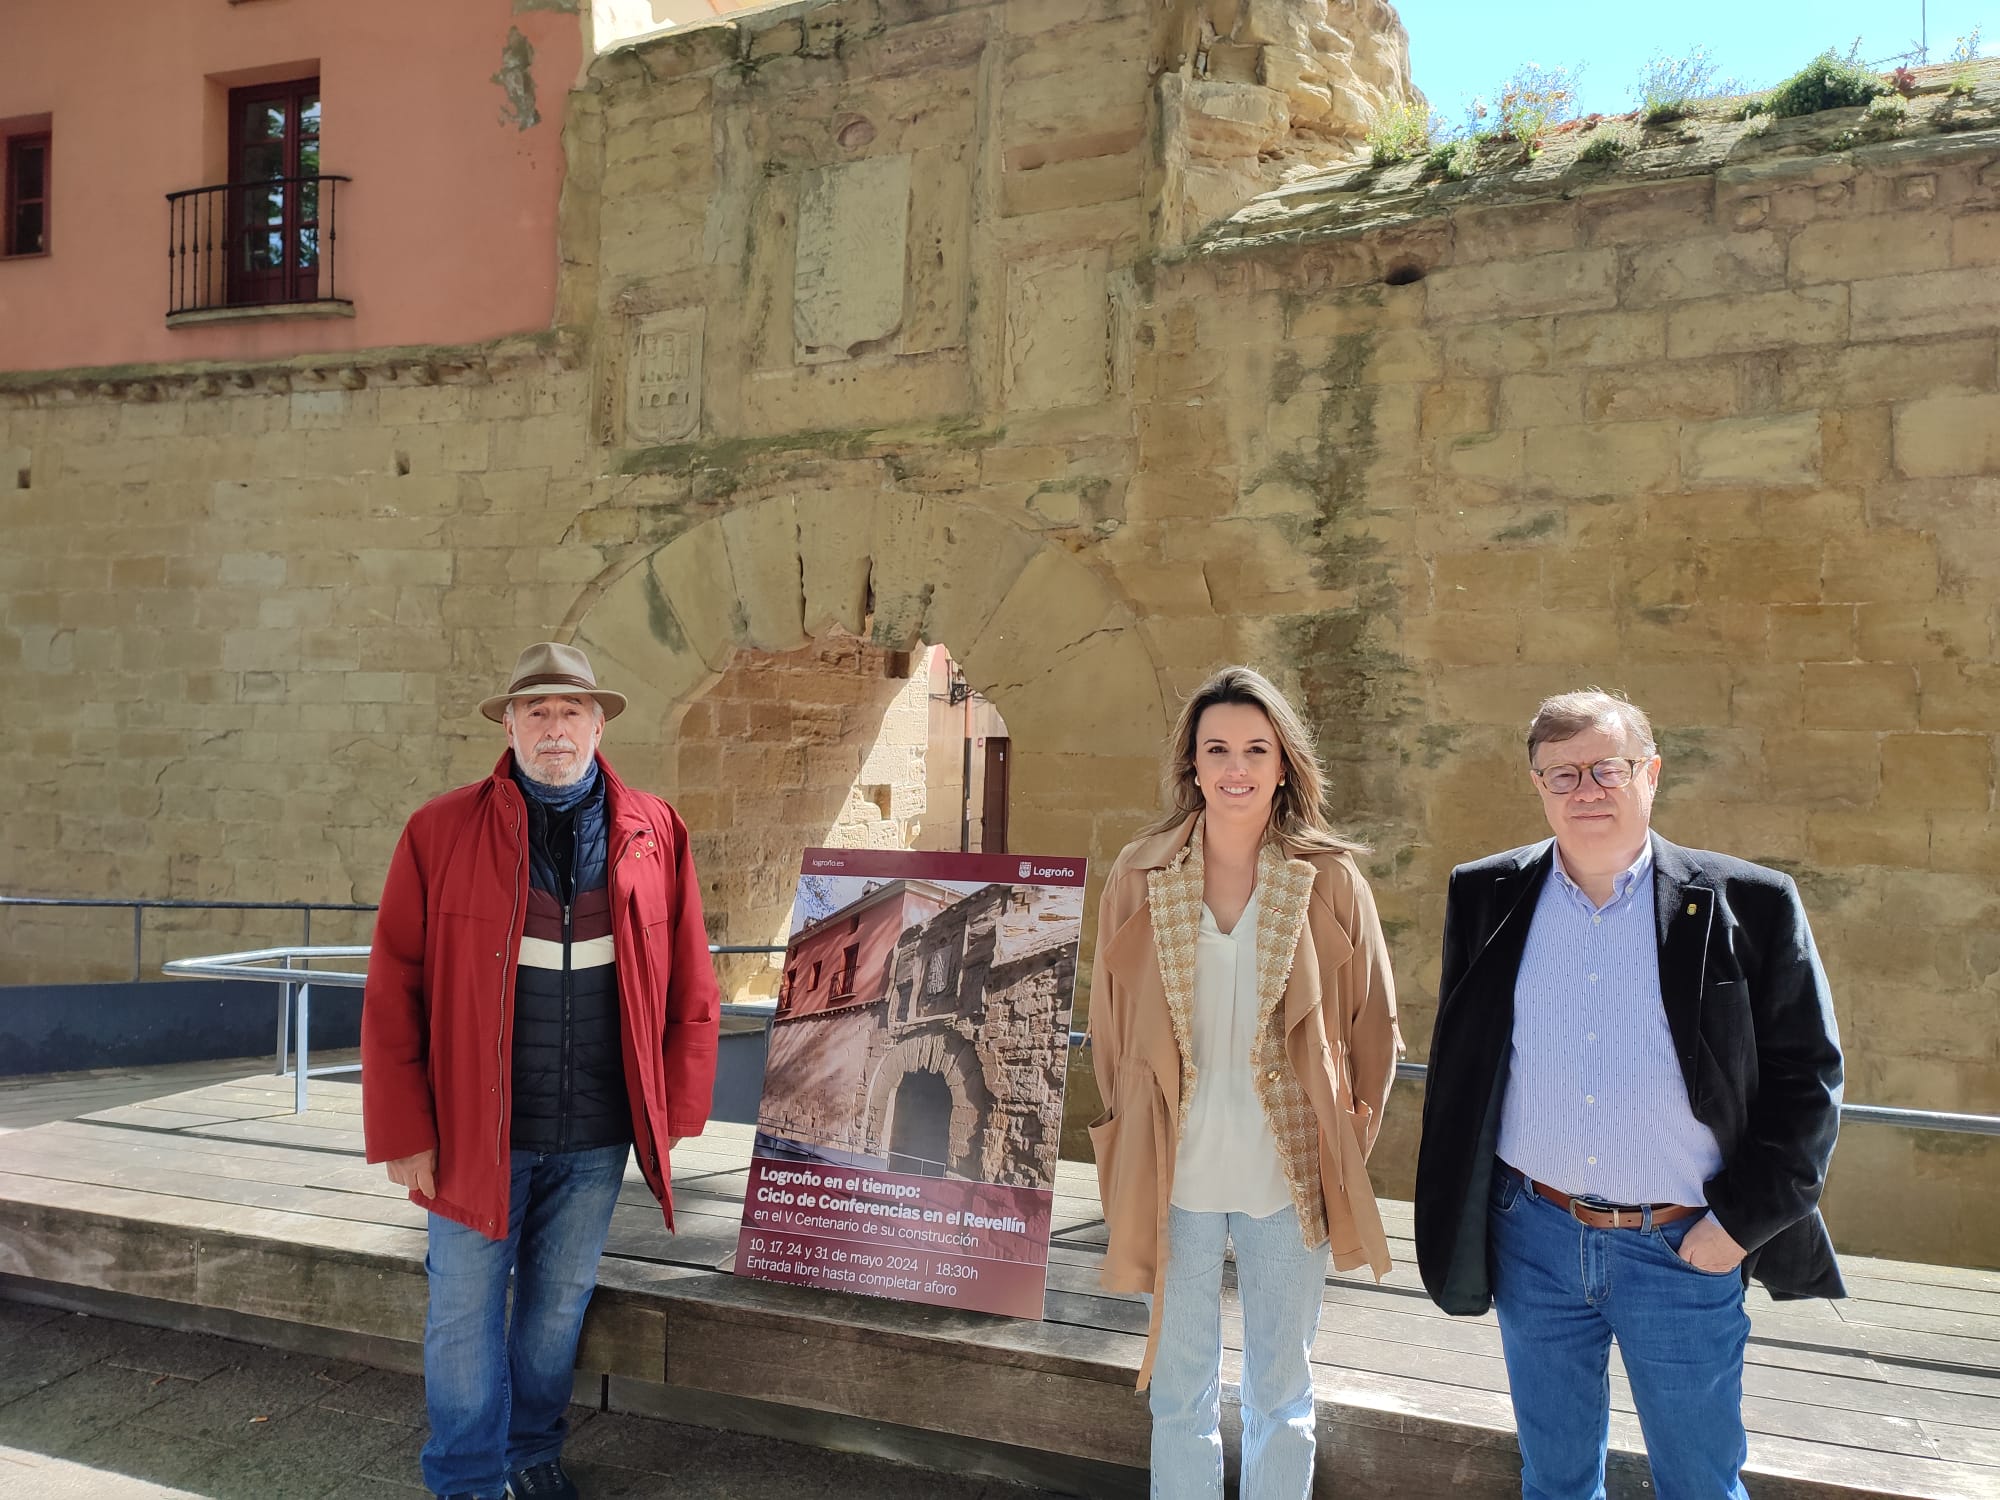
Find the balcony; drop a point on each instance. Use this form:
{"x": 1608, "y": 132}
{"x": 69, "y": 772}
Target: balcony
{"x": 262, "y": 249}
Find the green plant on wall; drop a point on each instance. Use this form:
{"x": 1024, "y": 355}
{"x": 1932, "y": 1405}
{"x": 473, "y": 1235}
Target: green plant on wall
{"x": 1526, "y": 107}
{"x": 1400, "y": 132}
{"x": 1671, "y": 88}
{"x": 1964, "y": 52}
{"x": 1829, "y": 81}
{"x": 1453, "y": 160}
{"x": 1605, "y": 146}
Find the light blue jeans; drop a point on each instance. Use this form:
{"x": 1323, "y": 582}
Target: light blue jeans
{"x": 1281, "y": 1283}
{"x": 498, "y": 1389}
{"x": 1563, "y": 1290}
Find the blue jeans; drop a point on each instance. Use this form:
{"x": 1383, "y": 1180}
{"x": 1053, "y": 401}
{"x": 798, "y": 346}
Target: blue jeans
{"x": 1563, "y": 1291}
{"x": 1281, "y": 1283}
{"x": 498, "y": 1392}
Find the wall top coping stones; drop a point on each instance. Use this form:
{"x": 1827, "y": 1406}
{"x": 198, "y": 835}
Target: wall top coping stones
{"x": 807, "y": 28}
{"x": 1832, "y": 145}
{"x": 405, "y": 366}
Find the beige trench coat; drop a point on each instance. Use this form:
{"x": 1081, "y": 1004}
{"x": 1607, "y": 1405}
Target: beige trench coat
{"x": 1333, "y": 1047}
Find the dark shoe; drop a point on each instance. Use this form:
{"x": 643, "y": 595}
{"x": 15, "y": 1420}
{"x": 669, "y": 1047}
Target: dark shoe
{"x": 542, "y": 1482}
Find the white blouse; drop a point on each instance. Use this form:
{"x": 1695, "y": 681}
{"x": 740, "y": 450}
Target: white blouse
{"x": 1228, "y": 1161}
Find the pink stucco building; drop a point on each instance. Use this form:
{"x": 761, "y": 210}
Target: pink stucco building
{"x": 364, "y": 175}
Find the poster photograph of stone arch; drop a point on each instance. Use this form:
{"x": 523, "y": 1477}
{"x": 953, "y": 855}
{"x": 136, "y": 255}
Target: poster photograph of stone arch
{"x": 913, "y": 1087}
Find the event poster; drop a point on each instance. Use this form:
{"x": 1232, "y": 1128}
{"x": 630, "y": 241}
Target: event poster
{"x": 913, "y": 1084}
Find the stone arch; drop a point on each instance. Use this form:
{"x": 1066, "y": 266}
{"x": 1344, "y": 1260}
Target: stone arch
{"x": 1039, "y": 632}
{"x": 946, "y": 1055}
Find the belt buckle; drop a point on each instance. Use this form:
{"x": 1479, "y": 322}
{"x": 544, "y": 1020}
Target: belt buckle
{"x": 1595, "y": 1205}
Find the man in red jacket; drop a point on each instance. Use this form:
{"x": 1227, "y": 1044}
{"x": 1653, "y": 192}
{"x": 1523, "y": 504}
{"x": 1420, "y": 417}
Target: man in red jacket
{"x": 540, "y": 1005}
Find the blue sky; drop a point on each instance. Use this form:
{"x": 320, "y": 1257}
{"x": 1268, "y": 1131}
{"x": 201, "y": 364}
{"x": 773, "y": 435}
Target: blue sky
{"x": 1461, "y": 48}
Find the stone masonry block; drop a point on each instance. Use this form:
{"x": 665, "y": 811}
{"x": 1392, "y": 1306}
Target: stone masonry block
{"x": 257, "y": 570}
{"x": 1616, "y": 458}
{"x": 1057, "y": 333}
{"x": 1540, "y": 400}
{"x": 1935, "y": 302}
{"x": 1962, "y": 695}
{"x": 1762, "y": 572}
{"x": 1847, "y": 839}
{"x": 1868, "y": 373}
{"x": 1767, "y": 320}
{"x": 1812, "y": 632}
{"x": 1751, "y": 450}
{"x": 1490, "y": 458}
{"x": 1859, "y": 696}
{"x": 1880, "y": 565}
{"x": 1500, "y": 348}
{"x": 1722, "y": 265}
{"x": 692, "y": 576}
{"x": 1558, "y": 283}
{"x": 1871, "y": 246}
{"x": 763, "y": 546}
{"x": 1697, "y": 391}
{"x": 1938, "y": 630}
{"x": 1948, "y": 436}
{"x": 983, "y": 555}
{"x": 836, "y": 528}
{"x": 1101, "y": 697}
{"x": 1936, "y": 772}
{"x": 1054, "y": 604}
{"x": 1610, "y": 338}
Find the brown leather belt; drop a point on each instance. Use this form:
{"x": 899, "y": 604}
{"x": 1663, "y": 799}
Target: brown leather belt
{"x": 1598, "y": 1214}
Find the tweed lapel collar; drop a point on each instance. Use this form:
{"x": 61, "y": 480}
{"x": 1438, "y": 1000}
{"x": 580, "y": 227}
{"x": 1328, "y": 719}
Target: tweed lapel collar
{"x": 1284, "y": 891}
{"x": 1173, "y": 900}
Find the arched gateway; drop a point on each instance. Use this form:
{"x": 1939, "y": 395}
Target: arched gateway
{"x": 1033, "y": 628}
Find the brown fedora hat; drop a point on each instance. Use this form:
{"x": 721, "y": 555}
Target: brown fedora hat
{"x": 549, "y": 669}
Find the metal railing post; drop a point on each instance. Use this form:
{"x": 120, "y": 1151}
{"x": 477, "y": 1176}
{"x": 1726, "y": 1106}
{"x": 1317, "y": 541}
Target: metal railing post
{"x": 284, "y": 1029}
{"x": 299, "y": 1051}
{"x": 138, "y": 938}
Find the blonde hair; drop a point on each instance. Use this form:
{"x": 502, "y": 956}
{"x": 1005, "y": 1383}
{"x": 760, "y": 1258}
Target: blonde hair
{"x": 1298, "y": 807}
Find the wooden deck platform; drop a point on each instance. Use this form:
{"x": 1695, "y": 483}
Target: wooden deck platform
{"x": 219, "y": 1203}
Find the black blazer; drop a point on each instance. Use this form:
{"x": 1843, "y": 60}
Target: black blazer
{"x": 1752, "y": 1020}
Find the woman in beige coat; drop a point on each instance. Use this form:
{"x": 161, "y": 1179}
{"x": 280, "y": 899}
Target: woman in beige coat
{"x": 1243, "y": 1033}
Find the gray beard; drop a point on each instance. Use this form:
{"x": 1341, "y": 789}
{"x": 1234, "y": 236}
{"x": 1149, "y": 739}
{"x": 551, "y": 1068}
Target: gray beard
{"x": 582, "y": 770}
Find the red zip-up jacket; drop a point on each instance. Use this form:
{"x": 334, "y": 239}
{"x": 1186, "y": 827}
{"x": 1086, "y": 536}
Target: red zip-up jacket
{"x": 437, "y": 1017}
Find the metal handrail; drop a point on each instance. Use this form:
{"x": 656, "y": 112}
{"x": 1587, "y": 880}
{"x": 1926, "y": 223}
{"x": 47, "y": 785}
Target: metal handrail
{"x": 275, "y": 965}
{"x": 294, "y": 1007}
{"x": 246, "y": 966}
{"x": 140, "y": 905}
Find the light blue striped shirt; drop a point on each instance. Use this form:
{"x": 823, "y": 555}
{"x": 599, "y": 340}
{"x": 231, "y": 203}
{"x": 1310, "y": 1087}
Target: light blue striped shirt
{"x": 1596, "y": 1102}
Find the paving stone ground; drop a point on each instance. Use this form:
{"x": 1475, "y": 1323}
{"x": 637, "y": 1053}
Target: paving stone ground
{"x": 92, "y": 1409}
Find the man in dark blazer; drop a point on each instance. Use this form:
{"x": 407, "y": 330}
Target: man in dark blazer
{"x": 1633, "y": 1093}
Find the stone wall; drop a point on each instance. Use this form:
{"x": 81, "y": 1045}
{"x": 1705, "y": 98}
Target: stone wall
{"x": 1723, "y": 443}
{"x": 787, "y": 751}
{"x": 885, "y": 319}
{"x": 817, "y": 1069}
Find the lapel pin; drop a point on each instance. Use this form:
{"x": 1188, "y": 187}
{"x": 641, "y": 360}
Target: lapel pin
{"x": 1692, "y": 908}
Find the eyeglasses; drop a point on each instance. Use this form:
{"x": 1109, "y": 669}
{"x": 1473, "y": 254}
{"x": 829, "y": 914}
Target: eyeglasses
{"x": 1610, "y": 773}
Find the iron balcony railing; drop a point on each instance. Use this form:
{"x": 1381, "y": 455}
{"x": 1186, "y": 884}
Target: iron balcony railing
{"x": 253, "y": 244}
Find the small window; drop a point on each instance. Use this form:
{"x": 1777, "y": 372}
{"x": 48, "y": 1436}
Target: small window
{"x": 27, "y": 230}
